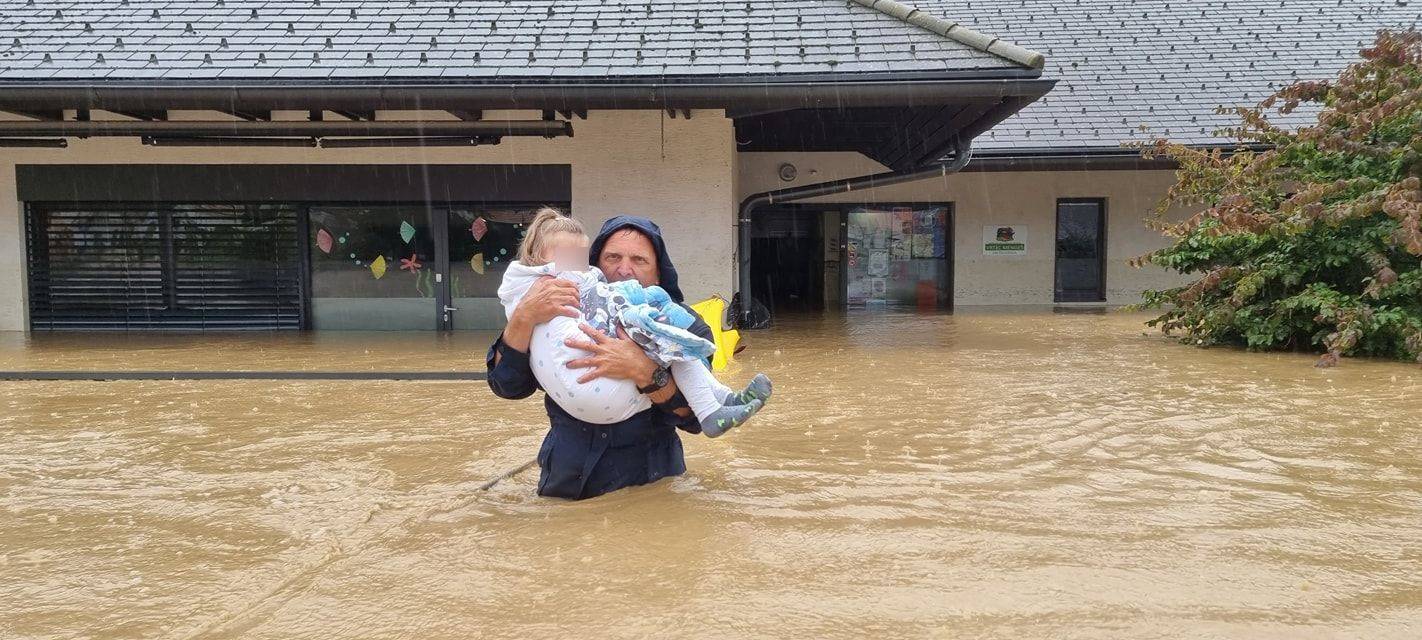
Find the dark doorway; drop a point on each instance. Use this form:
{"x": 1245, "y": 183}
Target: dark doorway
{"x": 1081, "y": 250}
{"x": 787, "y": 260}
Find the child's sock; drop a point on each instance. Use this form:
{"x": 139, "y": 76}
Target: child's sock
{"x": 720, "y": 392}
{"x": 725, "y": 395}
{"x": 728, "y": 417}
{"x": 703, "y": 394}
{"x": 758, "y": 389}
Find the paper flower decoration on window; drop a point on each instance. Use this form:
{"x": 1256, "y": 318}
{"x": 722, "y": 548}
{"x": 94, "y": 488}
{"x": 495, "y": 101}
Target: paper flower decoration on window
{"x": 411, "y": 264}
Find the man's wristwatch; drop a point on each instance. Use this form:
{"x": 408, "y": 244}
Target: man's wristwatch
{"x": 660, "y": 378}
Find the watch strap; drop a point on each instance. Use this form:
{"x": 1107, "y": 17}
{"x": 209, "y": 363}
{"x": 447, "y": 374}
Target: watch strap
{"x": 663, "y": 374}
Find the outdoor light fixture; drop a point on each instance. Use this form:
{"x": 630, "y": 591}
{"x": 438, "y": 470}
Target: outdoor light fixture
{"x": 356, "y": 143}
{"x": 51, "y": 143}
{"x": 162, "y": 141}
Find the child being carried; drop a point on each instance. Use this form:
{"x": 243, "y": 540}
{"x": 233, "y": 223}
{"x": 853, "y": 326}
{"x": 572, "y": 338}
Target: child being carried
{"x": 647, "y": 314}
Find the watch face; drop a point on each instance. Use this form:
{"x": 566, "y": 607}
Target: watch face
{"x": 661, "y": 377}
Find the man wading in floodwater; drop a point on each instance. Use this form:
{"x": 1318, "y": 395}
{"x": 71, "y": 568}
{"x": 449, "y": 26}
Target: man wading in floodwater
{"x": 579, "y": 459}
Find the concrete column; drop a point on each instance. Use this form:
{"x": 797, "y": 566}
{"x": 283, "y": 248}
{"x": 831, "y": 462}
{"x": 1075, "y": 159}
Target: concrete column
{"x": 13, "y": 307}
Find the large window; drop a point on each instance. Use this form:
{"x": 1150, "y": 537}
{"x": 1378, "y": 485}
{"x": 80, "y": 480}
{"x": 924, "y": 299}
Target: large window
{"x": 245, "y": 266}
{"x": 172, "y": 266}
{"x": 898, "y": 256}
{"x": 212, "y": 246}
{"x": 411, "y": 266}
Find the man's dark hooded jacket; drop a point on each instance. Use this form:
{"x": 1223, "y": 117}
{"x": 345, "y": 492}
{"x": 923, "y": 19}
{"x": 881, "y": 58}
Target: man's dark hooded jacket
{"x": 580, "y": 459}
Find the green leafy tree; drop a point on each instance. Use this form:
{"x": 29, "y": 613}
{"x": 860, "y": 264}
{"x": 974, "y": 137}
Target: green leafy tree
{"x": 1309, "y": 239}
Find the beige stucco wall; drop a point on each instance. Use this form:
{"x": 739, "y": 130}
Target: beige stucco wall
{"x": 12, "y": 251}
{"x": 678, "y": 172}
{"x": 995, "y": 198}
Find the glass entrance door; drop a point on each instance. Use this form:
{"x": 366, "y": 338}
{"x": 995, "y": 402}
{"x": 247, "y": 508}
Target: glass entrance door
{"x": 483, "y": 240}
{"x": 1081, "y": 251}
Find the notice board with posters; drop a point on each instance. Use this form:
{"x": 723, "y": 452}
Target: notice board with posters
{"x": 1005, "y": 240}
{"x": 897, "y": 256}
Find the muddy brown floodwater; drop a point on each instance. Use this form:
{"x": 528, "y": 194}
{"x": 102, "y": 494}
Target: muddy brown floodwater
{"x": 985, "y": 474}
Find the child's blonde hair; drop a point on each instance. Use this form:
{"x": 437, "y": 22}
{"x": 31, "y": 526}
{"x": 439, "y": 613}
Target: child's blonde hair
{"x": 548, "y": 222}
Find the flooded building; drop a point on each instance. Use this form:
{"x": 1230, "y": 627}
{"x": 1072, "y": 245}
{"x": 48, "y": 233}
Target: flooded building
{"x": 1053, "y": 206}
{"x": 202, "y": 165}
{"x": 368, "y": 165}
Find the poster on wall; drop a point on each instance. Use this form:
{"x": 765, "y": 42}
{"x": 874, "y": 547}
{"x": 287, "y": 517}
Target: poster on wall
{"x": 893, "y": 255}
{"x": 929, "y": 231}
{"x": 901, "y": 235}
{"x": 1005, "y": 240}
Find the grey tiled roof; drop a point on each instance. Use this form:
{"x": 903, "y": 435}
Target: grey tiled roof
{"x": 1168, "y": 64}
{"x": 466, "y": 39}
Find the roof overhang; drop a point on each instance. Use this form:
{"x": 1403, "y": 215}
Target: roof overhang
{"x": 902, "y": 131}
{"x": 901, "y": 122}
{"x": 901, "y": 137}
{"x": 767, "y": 93}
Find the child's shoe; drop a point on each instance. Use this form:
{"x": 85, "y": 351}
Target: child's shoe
{"x": 758, "y": 389}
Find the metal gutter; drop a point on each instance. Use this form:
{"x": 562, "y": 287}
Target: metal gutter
{"x": 1070, "y": 163}
{"x": 111, "y": 95}
{"x": 394, "y": 79}
{"x": 972, "y": 129}
{"x": 1086, "y": 158}
{"x": 1076, "y": 152}
{"x": 963, "y": 152}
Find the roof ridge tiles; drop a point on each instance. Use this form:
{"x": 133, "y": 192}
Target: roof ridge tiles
{"x": 957, "y": 32}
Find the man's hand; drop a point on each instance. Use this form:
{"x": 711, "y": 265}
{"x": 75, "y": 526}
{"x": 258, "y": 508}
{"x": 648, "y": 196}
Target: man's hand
{"x": 547, "y": 299}
{"x": 618, "y": 358}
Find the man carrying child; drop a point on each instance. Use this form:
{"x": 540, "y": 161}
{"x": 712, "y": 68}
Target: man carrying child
{"x": 580, "y": 459}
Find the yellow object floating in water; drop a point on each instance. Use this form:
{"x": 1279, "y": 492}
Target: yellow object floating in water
{"x": 713, "y": 311}
{"x": 377, "y": 267}
{"x": 477, "y": 263}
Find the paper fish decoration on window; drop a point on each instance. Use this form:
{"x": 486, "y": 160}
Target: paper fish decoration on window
{"x": 479, "y": 228}
{"x": 477, "y": 263}
{"x": 323, "y": 240}
{"x": 406, "y": 231}
{"x": 377, "y": 267}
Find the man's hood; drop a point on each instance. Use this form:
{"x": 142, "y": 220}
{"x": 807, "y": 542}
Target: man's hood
{"x": 666, "y": 271}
